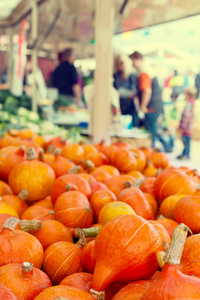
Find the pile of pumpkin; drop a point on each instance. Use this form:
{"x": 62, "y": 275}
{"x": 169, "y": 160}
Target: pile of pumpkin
{"x": 96, "y": 222}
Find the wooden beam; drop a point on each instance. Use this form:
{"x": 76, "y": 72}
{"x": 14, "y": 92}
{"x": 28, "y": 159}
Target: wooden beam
{"x": 10, "y": 56}
{"x": 20, "y": 12}
{"x": 104, "y": 25}
{"x": 34, "y": 35}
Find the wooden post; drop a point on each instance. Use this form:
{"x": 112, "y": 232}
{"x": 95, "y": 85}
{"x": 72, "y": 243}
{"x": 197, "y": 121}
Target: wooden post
{"x": 101, "y": 120}
{"x": 10, "y": 57}
{"x": 34, "y": 35}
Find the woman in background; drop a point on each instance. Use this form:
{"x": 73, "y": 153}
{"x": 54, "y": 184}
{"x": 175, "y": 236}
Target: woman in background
{"x": 125, "y": 81}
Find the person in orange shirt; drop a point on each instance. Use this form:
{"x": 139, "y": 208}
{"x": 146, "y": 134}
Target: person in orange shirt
{"x": 150, "y": 94}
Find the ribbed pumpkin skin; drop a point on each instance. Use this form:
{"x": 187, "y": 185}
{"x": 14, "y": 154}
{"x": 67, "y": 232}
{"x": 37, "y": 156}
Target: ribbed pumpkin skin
{"x": 62, "y": 259}
{"x": 168, "y": 205}
{"x": 37, "y": 212}
{"x": 52, "y": 232}
{"x": 166, "y": 240}
{"x": 97, "y": 158}
{"x": 116, "y": 183}
{"x": 159, "y": 159}
{"x": 81, "y": 281}
{"x": 73, "y": 210}
{"x": 136, "y": 199}
{"x": 187, "y": 211}
{"x": 165, "y": 187}
{"x": 30, "y": 249}
{"x": 88, "y": 257}
{"x": 141, "y": 159}
{"x": 55, "y": 292}
{"x": 133, "y": 291}
{"x": 169, "y": 225}
{"x": 127, "y": 257}
{"x": 30, "y": 283}
{"x": 59, "y": 186}
{"x": 123, "y": 160}
{"x": 172, "y": 284}
{"x": 19, "y": 205}
{"x": 34, "y": 176}
{"x": 5, "y": 189}
{"x": 6, "y": 293}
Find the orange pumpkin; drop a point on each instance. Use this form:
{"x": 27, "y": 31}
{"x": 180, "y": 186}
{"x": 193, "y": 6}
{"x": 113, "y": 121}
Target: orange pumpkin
{"x": 99, "y": 199}
{"x": 8, "y": 141}
{"x": 5, "y": 189}
{"x": 136, "y": 174}
{"x": 29, "y": 143}
{"x": 88, "y": 177}
{"x": 159, "y": 159}
{"x": 62, "y": 259}
{"x": 81, "y": 281}
{"x": 45, "y": 203}
{"x": 187, "y": 212}
{"x": 24, "y": 133}
{"x": 148, "y": 186}
{"x": 166, "y": 240}
{"x": 34, "y": 176}
{"x": 141, "y": 159}
{"x": 97, "y": 158}
{"x": 52, "y": 232}
{"x": 6, "y": 208}
{"x": 38, "y": 139}
{"x": 88, "y": 258}
{"x": 101, "y": 175}
{"x": 29, "y": 281}
{"x": 97, "y": 186}
{"x": 167, "y": 207}
{"x": 6, "y": 293}
{"x": 6, "y": 151}
{"x": 136, "y": 199}
{"x": 134, "y": 290}
{"x": 123, "y": 160}
{"x": 17, "y": 202}
{"x": 152, "y": 202}
{"x": 56, "y": 142}
{"x": 74, "y": 152}
{"x": 165, "y": 187}
{"x": 107, "y": 168}
{"x": 135, "y": 258}
{"x": 63, "y": 292}
{"x": 147, "y": 151}
{"x": 88, "y": 148}
{"x": 61, "y": 165}
{"x": 3, "y": 218}
{"x": 30, "y": 248}
{"x": 73, "y": 210}
{"x": 150, "y": 170}
{"x": 12, "y": 160}
{"x": 169, "y": 225}
{"x": 59, "y": 186}
{"x": 37, "y": 212}
{"x": 117, "y": 183}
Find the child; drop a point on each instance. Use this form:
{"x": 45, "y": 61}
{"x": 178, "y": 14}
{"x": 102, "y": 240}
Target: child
{"x": 164, "y": 135}
{"x": 187, "y": 122}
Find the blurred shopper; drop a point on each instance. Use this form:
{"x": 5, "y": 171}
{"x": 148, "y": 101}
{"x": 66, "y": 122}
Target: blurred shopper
{"x": 197, "y": 85}
{"x": 65, "y": 77}
{"x": 187, "y": 122}
{"x": 177, "y": 84}
{"x": 165, "y": 135}
{"x": 125, "y": 81}
{"x": 150, "y": 94}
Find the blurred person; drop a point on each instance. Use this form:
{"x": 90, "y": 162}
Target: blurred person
{"x": 165, "y": 135}
{"x": 187, "y": 122}
{"x": 150, "y": 94}
{"x": 65, "y": 77}
{"x": 177, "y": 84}
{"x": 197, "y": 85}
{"x": 125, "y": 81}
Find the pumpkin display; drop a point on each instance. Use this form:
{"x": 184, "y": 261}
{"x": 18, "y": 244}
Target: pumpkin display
{"x": 167, "y": 207}
{"x": 123, "y": 160}
{"x": 5, "y": 189}
{"x": 112, "y": 210}
{"x": 88, "y": 257}
{"x": 125, "y": 258}
{"x": 172, "y": 283}
{"x": 187, "y": 212}
{"x": 62, "y": 259}
{"x": 32, "y": 175}
{"x": 52, "y": 232}
{"x": 12, "y": 160}
{"x": 81, "y": 281}
{"x": 74, "y": 152}
{"x": 165, "y": 187}
{"x": 73, "y": 210}
{"x": 60, "y": 165}
{"x": 37, "y": 212}
{"x": 24, "y": 277}
{"x": 63, "y": 293}
{"x": 6, "y": 293}
{"x": 169, "y": 225}
{"x": 59, "y": 186}
{"x": 30, "y": 248}
{"x": 99, "y": 199}
{"x": 17, "y": 202}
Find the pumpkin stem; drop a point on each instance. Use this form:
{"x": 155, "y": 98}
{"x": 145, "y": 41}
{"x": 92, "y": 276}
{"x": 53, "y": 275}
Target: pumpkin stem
{"x": 88, "y": 232}
{"x": 51, "y": 212}
{"x": 160, "y": 259}
{"x": 68, "y": 187}
{"x": 82, "y": 241}
{"x": 23, "y": 195}
{"x": 62, "y": 298}
{"x": 31, "y": 154}
{"x": 11, "y": 223}
{"x": 127, "y": 184}
{"x": 88, "y": 164}
{"x": 159, "y": 171}
{"x": 198, "y": 187}
{"x": 75, "y": 170}
{"x": 62, "y": 140}
{"x": 27, "y": 267}
{"x": 41, "y": 155}
{"x": 57, "y": 152}
{"x": 30, "y": 225}
{"x": 98, "y": 295}
{"x": 137, "y": 183}
{"x": 161, "y": 217}
{"x": 175, "y": 250}
{"x": 150, "y": 163}
{"x": 50, "y": 149}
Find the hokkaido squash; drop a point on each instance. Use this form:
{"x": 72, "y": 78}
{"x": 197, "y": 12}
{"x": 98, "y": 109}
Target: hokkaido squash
{"x": 73, "y": 210}
{"x": 30, "y": 248}
{"x": 56, "y": 142}
{"x": 45, "y": 203}
{"x": 17, "y": 202}
{"x": 74, "y": 152}
{"x": 169, "y": 225}
{"x": 88, "y": 148}
{"x": 34, "y": 176}
{"x": 101, "y": 175}
{"x": 148, "y": 186}
{"x": 37, "y": 212}
{"x": 97, "y": 186}
{"x": 107, "y": 168}
{"x": 135, "y": 258}
{"x": 88, "y": 258}
{"x": 97, "y": 158}
{"x": 123, "y": 160}
{"x": 150, "y": 170}
{"x": 163, "y": 233}
{"x": 5, "y": 189}
{"x": 27, "y": 279}
{"x": 159, "y": 159}
{"x": 134, "y": 290}
{"x": 116, "y": 183}
{"x": 6, "y": 293}
{"x": 81, "y": 281}
{"x": 167, "y": 207}
{"x": 141, "y": 159}
{"x": 8, "y": 141}
{"x": 60, "y": 165}
{"x": 88, "y": 177}
{"x": 6, "y": 208}
{"x": 152, "y": 202}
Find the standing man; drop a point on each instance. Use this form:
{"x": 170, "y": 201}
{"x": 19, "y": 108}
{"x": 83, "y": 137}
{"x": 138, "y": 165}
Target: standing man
{"x": 65, "y": 77}
{"x": 150, "y": 94}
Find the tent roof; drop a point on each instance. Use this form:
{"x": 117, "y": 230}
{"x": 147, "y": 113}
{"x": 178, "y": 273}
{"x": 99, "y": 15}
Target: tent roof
{"x": 74, "y": 24}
